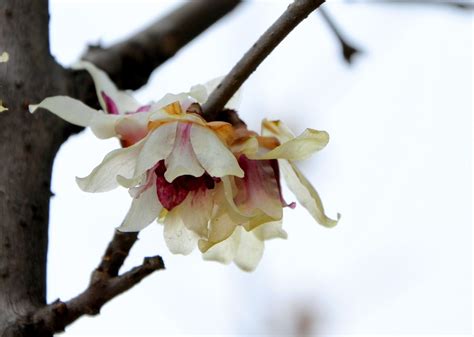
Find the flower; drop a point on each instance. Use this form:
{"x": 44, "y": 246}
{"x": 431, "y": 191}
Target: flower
{"x": 211, "y": 184}
{"x": 253, "y": 206}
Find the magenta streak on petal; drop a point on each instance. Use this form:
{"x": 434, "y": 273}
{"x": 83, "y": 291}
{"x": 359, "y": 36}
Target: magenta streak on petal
{"x": 110, "y": 105}
{"x": 144, "y": 108}
{"x": 172, "y": 194}
{"x": 259, "y": 188}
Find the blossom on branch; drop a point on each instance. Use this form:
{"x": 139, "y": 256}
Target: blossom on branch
{"x": 213, "y": 185}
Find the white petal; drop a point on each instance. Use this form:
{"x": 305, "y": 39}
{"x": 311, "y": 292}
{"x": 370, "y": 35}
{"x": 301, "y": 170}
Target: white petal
{"x": 300, "y": 147}
{"x": 124, "y": 101}
{"x": 69, "y": 109}
{"x": 216, "y": 159}
{"x": 143, "y": 211}
{"x": 182, "y": 160}
{"x": 249, "y": 252}
{"x": 158, "y": 146}
{"x": 104, "y": 177}
{"x": 305, "y": 193}
{"x": 178, "y": 238}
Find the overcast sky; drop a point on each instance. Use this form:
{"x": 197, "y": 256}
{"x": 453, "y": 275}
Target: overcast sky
{"x": 398, "y": 169}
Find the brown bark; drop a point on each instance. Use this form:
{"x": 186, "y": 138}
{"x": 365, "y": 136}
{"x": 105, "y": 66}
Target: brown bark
{"x": 28, "y": 145}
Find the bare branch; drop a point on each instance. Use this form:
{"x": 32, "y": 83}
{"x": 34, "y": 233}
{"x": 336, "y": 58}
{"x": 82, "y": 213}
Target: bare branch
{"x": 56, "y": 316}
{"x": 293, "y": 15}
{"x": 115, "y": 255}
{"x": 348, "y": 50}
{"x": 131, "y": 62}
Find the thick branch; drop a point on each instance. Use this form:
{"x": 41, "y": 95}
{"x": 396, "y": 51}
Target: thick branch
{"x": 131, "y": 62}
{"x": 294, "y": 14}
{"x": 56, "y": 316}
{"x": 348, "y": 50}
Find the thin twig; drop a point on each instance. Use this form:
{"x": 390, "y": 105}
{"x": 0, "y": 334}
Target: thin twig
{"x": 348, "y": 50}
{"x": 293, "y": 15}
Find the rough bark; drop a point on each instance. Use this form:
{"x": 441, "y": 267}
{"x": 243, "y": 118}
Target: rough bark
{"x": 28, "y": 145}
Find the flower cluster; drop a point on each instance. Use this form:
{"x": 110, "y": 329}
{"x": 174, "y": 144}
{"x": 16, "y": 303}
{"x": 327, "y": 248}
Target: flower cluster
{"x": 211, "y": 184}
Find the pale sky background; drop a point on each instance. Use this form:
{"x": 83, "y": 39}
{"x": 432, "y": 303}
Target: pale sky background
{"x": 398, "y": 169}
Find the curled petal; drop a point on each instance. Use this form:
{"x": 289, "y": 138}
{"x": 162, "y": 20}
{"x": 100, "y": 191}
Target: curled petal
{"x": 178, "y": 238}
{"x": 305, "y": 193}
{"x": 120, "y": 99}
{"x": 145, "y": 208}
{"x": 131, "y": 130}
{"x": 104, "y": 177}
{"x": 212, "y": 154}
{"x": 182, "y": 160}
{"x": 276, "y": 129}
{"x": 76, "y": 112}
{"x": 300, "y": 147}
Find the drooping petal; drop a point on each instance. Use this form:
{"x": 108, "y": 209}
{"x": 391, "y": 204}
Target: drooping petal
{"x": 224, "y": 251}
{"x": 258, "y": 189}
{"x": 298, "y": 148}
{"x": 104, "y": 177}
{"x": 158, "y": 146}
{"x": 196, "y": 211}
{"x": 211, "y": 153}
{"x": 145, "y": 208}
{"x": 270, "y": 230}
{"x": 250, "y": 250}
{"x": 123, "y": 101}
{"x": 305, "y": 193}
{"x": 178, "y": 238}
{"x": 182, "y": 160}
{"x": 76, "y": 112}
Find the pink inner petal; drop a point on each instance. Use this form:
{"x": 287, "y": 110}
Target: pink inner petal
{"x": 172, "y": 194}
{"x": 110, "y": 105}
{"x": 276, "y": 171}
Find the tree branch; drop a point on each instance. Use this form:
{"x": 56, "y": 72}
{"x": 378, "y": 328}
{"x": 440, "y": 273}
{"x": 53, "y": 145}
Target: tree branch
{"x": 130, "y": 63}
{"x": 348, "y": 50}
{"x": 105, "y": 285}
{"x": 294, "y": 14}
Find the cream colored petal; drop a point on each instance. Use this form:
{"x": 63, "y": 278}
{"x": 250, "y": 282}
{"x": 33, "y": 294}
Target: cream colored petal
{"x": 270, "y": 230}
{"x": 212, "y": 154}
{"x": 249, "y": 252}
{"x": 182, "y": 160}
{"x": 71, "y": 110}
{"x": 196, "y": 211}
{"x": 225, "y": 251}
{"x": 276, "y": 129}
{"x": 104, "y": 177}
{"x": 305, "y": 193}
{"x": 143, "y": 211}
{"x": 156, "y": 147}
{"x": 298, "y": 148}
{"x": 123, "y": 100}
{"x": 2, "y": 108}
{"x": 178, "y": 238}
